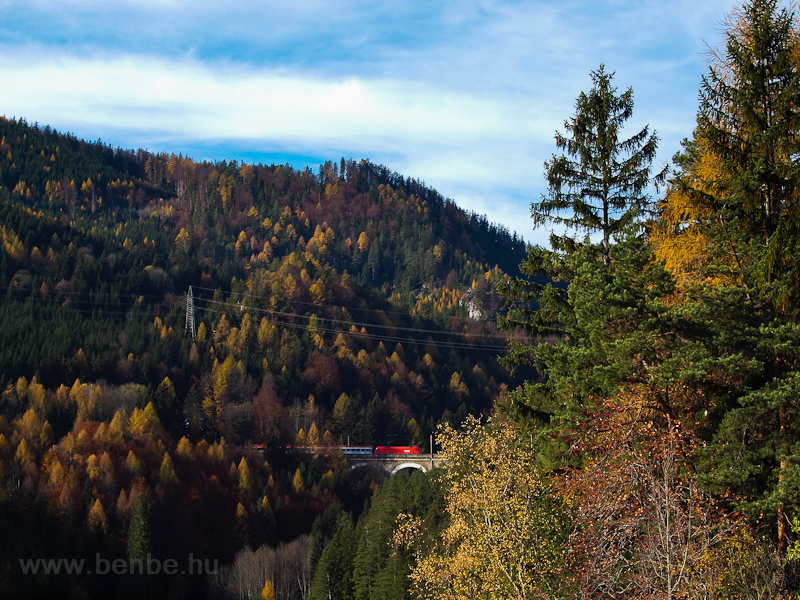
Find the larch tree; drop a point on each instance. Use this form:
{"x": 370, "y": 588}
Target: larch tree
{"x": 268, "y": 592}
{"x": 749, "y": 118}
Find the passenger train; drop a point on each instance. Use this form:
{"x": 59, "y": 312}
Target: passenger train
{"x": 357, "y": 450}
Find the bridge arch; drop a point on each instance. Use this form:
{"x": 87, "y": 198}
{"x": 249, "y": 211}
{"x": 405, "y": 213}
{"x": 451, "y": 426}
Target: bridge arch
{"x": 388, "y": 467}
{"x": 409, "y": 465}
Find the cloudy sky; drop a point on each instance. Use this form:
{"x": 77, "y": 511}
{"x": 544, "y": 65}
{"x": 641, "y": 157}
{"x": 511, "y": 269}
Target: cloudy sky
{"x": 465, "y": 95}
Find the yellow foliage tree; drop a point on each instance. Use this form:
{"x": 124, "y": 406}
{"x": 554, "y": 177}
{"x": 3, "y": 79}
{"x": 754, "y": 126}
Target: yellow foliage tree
{"x": 221, "y": 331}
{"x": 680, "y": 235}
{"x": 182, "y": 241}
{"x": 83, "y": 440}
{"x": 268, "y": 593}
{"x": 245, "y": 477}
{"x": 216, "y": 451}
{"x": 297, "y": 481}
{"x": 24, "y": 455}
{"x": 503, "y": 540}
{"x": 5, "y": 447}
{"x": 184, "y": 447}
{"x": 92, "y": 467}
{"x": 56, "y": 473}
{"x": 133, "y": 464}
{"x": 97, "y": 517}
{"x": 144, "y": 422}
{"x": 106, "y": 466}
{"x": 363, "y": 242}
{"x": 327, "y": 438}
{"x": 241, "y": 526}
{"x": 116, "y": 430}
{"x": 289, "y": 286}
{"x": 317, "y": 291}
{"x": 226, "y": 374}
{"x": 137, "y": 422}
{"x": 30, "y": 427}
{"x": 166, "y": 474}
{"x": 101, "y": 435}
{"x": 36, "y": 394}
{"x": 300, "y": 439}
{"x": 343, "y": 351}
{"x": 457, "y": 384}
{"x": 313, "y": 435}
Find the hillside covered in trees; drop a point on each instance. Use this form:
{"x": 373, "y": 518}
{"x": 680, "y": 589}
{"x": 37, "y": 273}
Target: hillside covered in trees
{"x": 645, "y": 446}
{"x": 349, "y": 305}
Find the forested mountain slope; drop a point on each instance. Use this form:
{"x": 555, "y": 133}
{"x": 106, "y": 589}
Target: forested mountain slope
{"x": 351, "y": 304}
{"x": 314, "y": 281}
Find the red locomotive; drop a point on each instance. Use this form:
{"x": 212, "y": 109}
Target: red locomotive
{"x": 397, "y": 450}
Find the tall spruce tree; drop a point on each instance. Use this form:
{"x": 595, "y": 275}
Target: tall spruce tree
{"x": 598, "y": 184}
{"x": 333, "y": 576}
{"x": 749, "y": 119}
{"x": 739, "y": 180}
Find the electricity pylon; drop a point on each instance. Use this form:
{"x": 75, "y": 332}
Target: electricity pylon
{"x": 190, "y": 313}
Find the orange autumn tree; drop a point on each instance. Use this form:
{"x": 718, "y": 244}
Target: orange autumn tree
{"x": 642, "y": 527}
{"x": 680, "y": 237}
{"x": 736, "y": 189}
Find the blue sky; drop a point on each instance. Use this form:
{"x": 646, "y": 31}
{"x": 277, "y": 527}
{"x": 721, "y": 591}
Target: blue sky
{"x": 463, "y": 95}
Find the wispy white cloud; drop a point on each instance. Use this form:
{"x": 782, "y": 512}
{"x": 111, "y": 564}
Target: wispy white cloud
{"x": 465, "y": 95}
{"x": 233, "y": 101}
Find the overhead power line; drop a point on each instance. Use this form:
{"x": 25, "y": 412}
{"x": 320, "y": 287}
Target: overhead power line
{"x": 302, "y": 303}
{"x": 216, "y": 306}
{"x": 345, "y": 322}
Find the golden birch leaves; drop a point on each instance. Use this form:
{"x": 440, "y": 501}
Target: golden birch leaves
{"x": 504, "y": 538}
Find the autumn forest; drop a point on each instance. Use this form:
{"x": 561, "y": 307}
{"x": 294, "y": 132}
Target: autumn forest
{"x": 186, "y": 346}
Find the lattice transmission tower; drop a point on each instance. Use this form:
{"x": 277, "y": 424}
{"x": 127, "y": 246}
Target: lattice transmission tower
{"x": 190, "y": 313}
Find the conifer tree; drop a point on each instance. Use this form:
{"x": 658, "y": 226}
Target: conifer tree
{"x": 297, "y": 481}
{"x": 97, "y": 517}
{"x": 333, "y": 577}
{"x": 268, "y": 592}
{"x": 749, "y": 119}
{"x": 245, "y": 478}
{"x": 597, "y": 186}
{"x": 166, "y": 474}
{"x": 139, "y": 532}
{"x": 599, "y": 183}
{"x": 735, "y": 192}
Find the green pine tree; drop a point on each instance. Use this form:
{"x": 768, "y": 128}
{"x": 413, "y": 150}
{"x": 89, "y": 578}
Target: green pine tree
{"x": 139, "y": 532}
{"x": 740, "y": 178}
{"x": 598, "y": 184}
{"x": 748, "y": 120}
{"x": 333, "y": 577}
